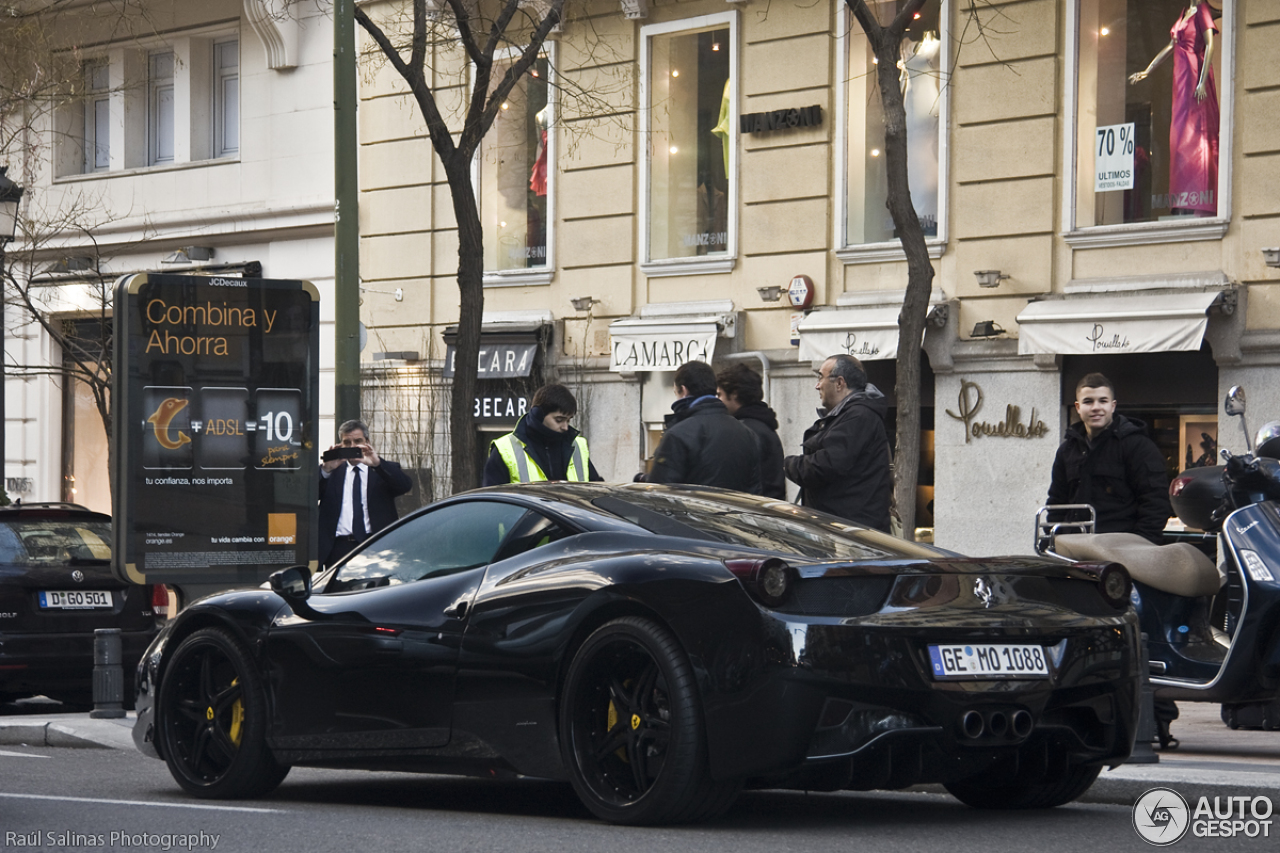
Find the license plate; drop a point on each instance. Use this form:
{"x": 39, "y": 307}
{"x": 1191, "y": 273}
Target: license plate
{"x": 985, "y": 660}
{"x": 74, "y": 599}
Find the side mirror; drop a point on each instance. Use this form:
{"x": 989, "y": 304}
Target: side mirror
{"x": 1234, "y": 404}
{"x": 292, "y": 584}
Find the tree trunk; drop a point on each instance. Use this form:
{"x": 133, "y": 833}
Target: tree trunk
{"x": 886, "y": 42}
{"x": 462, "y": 427}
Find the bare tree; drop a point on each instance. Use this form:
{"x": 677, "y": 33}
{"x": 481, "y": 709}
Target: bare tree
{"x": 886, "y": 44}
{"x": 407, "y": 42}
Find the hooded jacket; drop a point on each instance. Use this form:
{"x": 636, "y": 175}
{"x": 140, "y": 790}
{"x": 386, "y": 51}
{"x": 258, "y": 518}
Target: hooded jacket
{"x": 763, "y": 423}
{"x": 1121, "y": 473}
{"x": 844, "y": 469}
{"x": 706, "y": 446}
{"x": 549, "y": 449}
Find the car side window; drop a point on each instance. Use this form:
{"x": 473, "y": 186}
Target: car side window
{"x": 532, "y": 531}
{"x": 451, "y": 539}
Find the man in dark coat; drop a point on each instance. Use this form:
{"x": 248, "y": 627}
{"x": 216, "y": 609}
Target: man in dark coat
{"x": 704, "y": 445}
{"x": 742, "y": 392}
{"x": 1107, "y": 460}
{"x": 845, "y": 467}
{"x": 349, "y": 515}
{"x": 543, "y": 446}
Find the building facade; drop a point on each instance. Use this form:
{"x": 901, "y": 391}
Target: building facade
{"x": 673, "y": 171}
{"x": 188, "y": 138}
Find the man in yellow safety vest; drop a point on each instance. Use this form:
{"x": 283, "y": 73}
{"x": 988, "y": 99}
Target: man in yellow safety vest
{"x": 543, "y": 446}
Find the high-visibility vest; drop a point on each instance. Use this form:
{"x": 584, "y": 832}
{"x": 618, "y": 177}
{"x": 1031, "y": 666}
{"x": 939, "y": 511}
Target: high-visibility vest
{"x": 522, "y": 468}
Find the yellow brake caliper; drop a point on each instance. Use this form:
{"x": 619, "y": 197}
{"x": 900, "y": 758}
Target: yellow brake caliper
{"x": 237, "y": 718}
{"x": 612, "y": 721}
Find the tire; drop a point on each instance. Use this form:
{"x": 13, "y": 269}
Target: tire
{"x": 631, "y": 729}
{"x": 1046, "y": 795}
{"x": 211, "y": 719}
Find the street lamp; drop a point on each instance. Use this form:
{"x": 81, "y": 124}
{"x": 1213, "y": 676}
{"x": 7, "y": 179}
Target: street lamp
{"x": 10, "y": 195}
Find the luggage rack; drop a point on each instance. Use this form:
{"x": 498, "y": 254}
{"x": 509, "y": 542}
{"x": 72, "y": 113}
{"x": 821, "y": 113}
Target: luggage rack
{"x": 1048, "y": 529}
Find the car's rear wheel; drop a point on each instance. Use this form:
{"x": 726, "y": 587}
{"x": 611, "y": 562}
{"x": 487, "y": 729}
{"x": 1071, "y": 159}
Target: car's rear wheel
{"x": 212, "y": 716}
{"x": 986, "y": 793}
{"x": 632, "y": 729}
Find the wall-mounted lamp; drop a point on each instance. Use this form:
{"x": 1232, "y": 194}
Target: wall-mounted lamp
{"x": 583, "y": 303}
{"x": 989, "y": 278}
{"x": 1271, "y": 256}
{"x": 769, "y": 293}
{"x": 986, "y": 329}
{"x": 190, "y": 254}
{"x": 398, "y": 293}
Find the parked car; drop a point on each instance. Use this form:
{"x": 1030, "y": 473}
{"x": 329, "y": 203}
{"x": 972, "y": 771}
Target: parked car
{"x": 56, "y": 587}
{"x": 660, "y": 648}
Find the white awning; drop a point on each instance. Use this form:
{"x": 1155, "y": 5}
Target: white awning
{"x": 661, "y": 344}
{"x": 1115, "y": 324}
{"x": 865, "y": 333}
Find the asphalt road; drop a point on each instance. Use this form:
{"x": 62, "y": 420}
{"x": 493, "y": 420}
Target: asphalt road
{"x": 75, "y": 799}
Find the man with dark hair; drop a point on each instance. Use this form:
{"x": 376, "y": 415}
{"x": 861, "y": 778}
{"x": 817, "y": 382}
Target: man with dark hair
{"x": 845, "y": 467}
{"x": 357, "y": 495}
{"x": 1108, "y": 461}
{"x": 742, "y": 392}
{"x": 703, "y": 444}
{"x": 543, "y": 446}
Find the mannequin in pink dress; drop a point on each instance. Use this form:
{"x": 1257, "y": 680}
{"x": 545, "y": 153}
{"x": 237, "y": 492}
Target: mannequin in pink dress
{"x": 1193, "y": 123}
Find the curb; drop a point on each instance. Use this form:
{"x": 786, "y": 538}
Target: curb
{"x": 46, "y": 734}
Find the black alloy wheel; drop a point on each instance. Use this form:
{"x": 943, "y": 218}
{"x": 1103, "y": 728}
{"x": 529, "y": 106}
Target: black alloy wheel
{"x": 632, "y": 729}
{"x": 211, "y": 719}
{"x": 986, "y": 792}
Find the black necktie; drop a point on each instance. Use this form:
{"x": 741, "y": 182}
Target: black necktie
{"x": 357, "y": 505}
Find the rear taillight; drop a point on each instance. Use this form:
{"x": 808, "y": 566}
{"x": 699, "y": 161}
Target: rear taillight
{"x": 160, "y": 600}
{"x": 769, "y": 581}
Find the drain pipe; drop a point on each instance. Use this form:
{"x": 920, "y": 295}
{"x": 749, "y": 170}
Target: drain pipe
{"x": 764, "y": 372}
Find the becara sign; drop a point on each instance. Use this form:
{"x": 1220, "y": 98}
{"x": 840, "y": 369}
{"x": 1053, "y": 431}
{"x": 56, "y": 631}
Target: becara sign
{"x": 216, "y": 389}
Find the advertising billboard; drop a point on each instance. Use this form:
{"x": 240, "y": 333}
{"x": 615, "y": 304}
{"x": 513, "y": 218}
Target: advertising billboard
{"x": 215, "y": 392}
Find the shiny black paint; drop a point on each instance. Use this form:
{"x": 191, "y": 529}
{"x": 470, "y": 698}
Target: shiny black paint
{"x": 466, "y": 679}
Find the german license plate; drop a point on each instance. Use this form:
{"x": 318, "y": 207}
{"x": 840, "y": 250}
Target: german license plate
{"x": 984, "y": 660}
{"x": 74, "y": 599}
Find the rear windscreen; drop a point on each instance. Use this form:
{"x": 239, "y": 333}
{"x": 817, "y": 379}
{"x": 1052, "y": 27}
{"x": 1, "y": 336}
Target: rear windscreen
{"x": 42, "y": 542}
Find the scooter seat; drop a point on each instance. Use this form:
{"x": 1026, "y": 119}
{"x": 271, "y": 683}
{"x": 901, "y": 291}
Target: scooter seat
{"x": 1180, "y": 568}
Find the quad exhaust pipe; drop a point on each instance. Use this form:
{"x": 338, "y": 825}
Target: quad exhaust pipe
{"x": 997, "y": 724}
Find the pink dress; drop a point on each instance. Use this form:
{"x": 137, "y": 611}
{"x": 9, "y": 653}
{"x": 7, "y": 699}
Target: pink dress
{"x": 1193, "y": 127}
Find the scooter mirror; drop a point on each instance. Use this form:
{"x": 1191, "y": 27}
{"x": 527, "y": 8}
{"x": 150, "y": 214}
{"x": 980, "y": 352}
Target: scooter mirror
{"x": 1234, "y": 404}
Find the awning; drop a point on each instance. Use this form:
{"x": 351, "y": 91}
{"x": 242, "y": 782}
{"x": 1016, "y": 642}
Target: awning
{"x": 507, "y": 350}
{"x": 865, "y": 333}
{"x": 1164, "y": 322}
{"x": 661, "y": 344}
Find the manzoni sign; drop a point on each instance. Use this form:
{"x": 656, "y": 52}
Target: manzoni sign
{"x": 781, "y": 119}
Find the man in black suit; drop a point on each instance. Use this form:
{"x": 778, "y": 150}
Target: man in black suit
{"x": 357, "y": 496}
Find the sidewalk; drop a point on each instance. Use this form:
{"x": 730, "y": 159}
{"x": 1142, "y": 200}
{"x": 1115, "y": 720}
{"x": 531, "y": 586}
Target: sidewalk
{"x": 1212, "y": 760}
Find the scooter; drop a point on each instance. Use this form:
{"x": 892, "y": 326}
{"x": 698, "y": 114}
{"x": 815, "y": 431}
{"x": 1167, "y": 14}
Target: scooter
{"x": 1213, "y": 632}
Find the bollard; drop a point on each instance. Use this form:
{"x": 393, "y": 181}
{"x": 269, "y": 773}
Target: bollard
{"x": 108, "y": 675}
{"x": 1142, "y": 751}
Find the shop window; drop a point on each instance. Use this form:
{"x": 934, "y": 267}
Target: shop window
{"x": 516, "y": 165}
{"x": 922, "y": 76}
{"x": 688, "y": 105}
{"x": 1150, "y": 94}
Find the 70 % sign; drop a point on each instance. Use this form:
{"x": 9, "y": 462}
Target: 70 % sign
{"x": 1113, "y": 165}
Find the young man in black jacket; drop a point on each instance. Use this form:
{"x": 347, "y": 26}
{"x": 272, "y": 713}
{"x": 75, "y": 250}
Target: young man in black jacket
{"x": 742, "y": 392}
{"x": 844, "y": 469}
{"x": 704, "y": 445}
{"x": 1107, "y": 460}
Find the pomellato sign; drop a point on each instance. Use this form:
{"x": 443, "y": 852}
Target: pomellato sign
{"x": 1013, "y": 425}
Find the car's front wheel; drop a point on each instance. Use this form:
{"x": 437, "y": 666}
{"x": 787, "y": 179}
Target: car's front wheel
{"x": 212, "y": 717}
{"x": 632, "y": 729}
{"x": 983, "y": 792}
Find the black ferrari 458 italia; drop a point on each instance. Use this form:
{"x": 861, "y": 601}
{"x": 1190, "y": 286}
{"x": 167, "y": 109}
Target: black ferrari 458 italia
{"x": 660, "y": 648}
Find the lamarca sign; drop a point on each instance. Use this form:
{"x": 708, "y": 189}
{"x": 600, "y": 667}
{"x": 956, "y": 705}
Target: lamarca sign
{"x": 781, "y": 119}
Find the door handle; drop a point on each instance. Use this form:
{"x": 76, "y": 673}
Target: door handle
{"x": 458, "y": 610}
